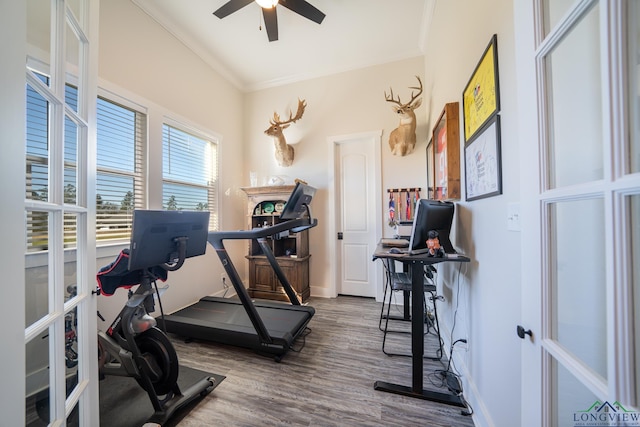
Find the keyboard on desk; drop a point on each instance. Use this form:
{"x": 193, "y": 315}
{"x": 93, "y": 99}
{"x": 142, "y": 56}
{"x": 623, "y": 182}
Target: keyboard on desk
{"x": 394, "y": 243}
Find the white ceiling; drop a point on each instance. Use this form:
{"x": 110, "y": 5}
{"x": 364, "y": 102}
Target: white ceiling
{"x": 353, "y": 35}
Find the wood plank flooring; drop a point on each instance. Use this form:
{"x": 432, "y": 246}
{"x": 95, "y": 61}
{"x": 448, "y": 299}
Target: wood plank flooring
{"x": 328, "y": 383}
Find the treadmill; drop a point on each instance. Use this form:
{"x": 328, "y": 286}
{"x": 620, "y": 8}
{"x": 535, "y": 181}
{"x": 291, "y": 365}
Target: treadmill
{"x": 268, "y": 327}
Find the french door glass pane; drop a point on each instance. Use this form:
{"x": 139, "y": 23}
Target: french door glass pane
{"x": 37, "y": 146}
{"x": 575, "y": 106}
{"x": 71, "y": 357}
{"x": 554, "y": 10}
{"x": 37, "y": 380}
{"x": 70, "y": 232}
{"x": 571, "y": 399}
{"x": 70, "y": 160}
{"x": 37, "y": 271}
{"x": 72, "y": 419}
{"x": 578, "y": 282}
{"x": 76, "y": 9}
{"x": 73, "y": 55}
{"x": 39, "y": 30}
{"x": 634, "y": 84}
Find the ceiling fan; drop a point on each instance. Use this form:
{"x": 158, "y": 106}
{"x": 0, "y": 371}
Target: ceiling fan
{"x": 301, "y": 7}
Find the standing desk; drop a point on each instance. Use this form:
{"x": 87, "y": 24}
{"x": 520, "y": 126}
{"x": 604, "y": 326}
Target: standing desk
{"x": 416, "y": 264}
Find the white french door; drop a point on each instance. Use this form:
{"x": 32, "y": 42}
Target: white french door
{"x": 579, "y": 116}
{"x": 60, "y": 309}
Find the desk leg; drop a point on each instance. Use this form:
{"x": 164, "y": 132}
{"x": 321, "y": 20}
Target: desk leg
{"x": 407, "y": 304}
{"x": 417, "y": 350}
{"x": 417, "y": 324}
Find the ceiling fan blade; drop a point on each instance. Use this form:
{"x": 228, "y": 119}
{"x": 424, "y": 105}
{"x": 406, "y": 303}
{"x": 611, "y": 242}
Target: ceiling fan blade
{"x": 302, "y": 7}
{"x": 231, "y": 6}
{"x": 271, "y": 23}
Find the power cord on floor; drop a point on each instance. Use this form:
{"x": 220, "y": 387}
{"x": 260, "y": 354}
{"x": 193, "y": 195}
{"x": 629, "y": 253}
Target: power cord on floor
{"x": 451, "y": 380}
{"x": 225, "y": 286}
{"x": 303, "y": 335}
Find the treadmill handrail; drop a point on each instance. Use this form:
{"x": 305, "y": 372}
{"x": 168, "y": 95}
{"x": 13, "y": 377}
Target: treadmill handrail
{"x": 293, "y": 225}
{"x": 216, "y": 239}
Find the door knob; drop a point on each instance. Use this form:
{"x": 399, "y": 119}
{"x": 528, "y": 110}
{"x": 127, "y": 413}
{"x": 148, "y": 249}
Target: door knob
{"x": 522, "y": 332}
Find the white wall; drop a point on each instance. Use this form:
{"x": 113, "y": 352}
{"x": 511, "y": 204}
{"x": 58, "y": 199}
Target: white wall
{"x": 140, "y": 61}
{"x": 488, "y": 293}
{"x": 345, "y": 103}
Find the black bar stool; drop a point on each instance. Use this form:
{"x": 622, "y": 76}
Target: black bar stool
{"x": 401, "y": 281}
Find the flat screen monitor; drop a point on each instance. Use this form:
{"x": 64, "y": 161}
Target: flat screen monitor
{"x": 153, "y": 236}
{"x": 431, "y": 215}
{"x": 298, "y": 202}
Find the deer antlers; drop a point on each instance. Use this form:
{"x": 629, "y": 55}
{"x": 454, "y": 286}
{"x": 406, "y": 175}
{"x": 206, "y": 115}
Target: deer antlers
{"x": 402, "y": 139}
{"x": 276, "y": 117}
{"x": 390, "y": 98}
{"x": 284, "y": 151}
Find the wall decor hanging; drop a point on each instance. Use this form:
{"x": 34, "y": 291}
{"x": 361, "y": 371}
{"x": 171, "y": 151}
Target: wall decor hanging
{"x": 481, "y": 95}
{"x": 446, "y": 154}
{"x": 284, "y": 151}
{"x": 402, "y": 140}
{"x": 482, "y": 163}
{"x": 430, "y": 169}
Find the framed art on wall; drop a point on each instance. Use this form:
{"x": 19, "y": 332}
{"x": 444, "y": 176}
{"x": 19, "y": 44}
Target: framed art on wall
{"x": 481, "y": 95}
{"x": 446, "y": 154}
{"x": 430, "y": 169}
{"x": 482, "y": 163}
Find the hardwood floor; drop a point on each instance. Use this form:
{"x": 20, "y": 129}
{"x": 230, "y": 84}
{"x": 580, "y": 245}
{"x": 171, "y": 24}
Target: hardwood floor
{"x": 328, "y": 383}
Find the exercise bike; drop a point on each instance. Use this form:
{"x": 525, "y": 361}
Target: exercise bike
{"x": 133, "y": 345}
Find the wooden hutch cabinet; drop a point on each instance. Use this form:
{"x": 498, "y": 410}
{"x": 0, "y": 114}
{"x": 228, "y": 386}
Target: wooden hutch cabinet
{"x": 292, "y": 252}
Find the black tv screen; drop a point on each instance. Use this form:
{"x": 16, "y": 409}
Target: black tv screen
{"x": 298, "y": 202}
{"x": 154, "y": 232}
{"x": 432, "y": 215}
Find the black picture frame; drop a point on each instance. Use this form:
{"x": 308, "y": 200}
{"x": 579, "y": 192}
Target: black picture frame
{"x": 483, "y": 163}
{"x": 481, "y": 95}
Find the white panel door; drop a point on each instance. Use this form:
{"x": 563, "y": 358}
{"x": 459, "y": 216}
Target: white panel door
{"x": 357, "y": 215}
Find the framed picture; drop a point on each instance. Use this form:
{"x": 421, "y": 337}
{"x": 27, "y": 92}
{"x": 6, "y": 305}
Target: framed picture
{"x": 481, "y": 96}
{"x": 430, "y": 170}
{"x": 482, "y": 163}
{"x": 446, "y": 154}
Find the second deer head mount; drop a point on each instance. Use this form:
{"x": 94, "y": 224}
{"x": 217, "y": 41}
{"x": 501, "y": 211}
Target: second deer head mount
{"x": 284, "y": 151}
{"x": 402, "y": 139}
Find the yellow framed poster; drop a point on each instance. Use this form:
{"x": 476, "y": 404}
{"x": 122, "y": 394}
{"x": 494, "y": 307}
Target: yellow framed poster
{"x": 481, "y": 95}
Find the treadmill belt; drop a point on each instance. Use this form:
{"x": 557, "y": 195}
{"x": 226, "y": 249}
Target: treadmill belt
{"x": 226, "y": 321}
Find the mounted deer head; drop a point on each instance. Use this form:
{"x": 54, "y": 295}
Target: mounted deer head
{"x": 402, "y": 139}
{"x": 284, "y": 151}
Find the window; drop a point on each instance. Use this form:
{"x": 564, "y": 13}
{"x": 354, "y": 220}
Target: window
{"x": 189, "y": 172}
{"x": 120, "y": 141}
{"x": 120, "y": 189}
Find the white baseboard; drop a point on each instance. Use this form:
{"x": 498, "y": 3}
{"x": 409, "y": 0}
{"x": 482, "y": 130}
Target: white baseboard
{"x": 322, "y": 292}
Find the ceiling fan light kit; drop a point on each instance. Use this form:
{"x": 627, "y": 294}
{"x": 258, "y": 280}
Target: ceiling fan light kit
{"x": 267, "y": 4}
